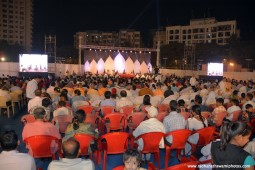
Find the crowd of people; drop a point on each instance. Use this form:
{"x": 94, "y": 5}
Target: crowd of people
{"x": 49, "y": 98}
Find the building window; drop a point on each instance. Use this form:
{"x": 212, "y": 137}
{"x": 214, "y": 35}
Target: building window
{"x": 220, "y": 34}
{"x": 176, "y": 32}
{"x": 184, "y": 31}
{"x": 227, "y": 33}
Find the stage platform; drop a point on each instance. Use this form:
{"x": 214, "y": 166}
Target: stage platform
{"x": 34, "y": 74}
{"x": 127, "y": 75}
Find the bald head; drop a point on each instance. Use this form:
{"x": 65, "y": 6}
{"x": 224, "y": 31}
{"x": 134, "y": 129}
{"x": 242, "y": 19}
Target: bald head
{"x": 71, "y": 148}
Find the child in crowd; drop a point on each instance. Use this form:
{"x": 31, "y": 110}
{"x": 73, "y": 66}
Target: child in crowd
{"x": 132, "y": 160}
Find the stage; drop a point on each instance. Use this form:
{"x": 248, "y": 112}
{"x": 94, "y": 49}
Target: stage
{"x": 34, "y": 74}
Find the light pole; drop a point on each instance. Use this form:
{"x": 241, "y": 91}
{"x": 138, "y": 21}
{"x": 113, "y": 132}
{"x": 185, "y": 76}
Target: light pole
{"x": 80, "y": 54}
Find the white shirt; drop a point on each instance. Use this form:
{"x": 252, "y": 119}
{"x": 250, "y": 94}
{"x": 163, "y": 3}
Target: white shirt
{"x": 232, "y": 109}
{"x": 248, "y": 102}
{"x": 123, "y": 102}
{"x": 73, "y": 164}
{"x": 150, "y": 125}
{"x": 192, "y": 81}
{"x": 194, "y": 124}
{"x": 169, "y": 99}
{"x": 61, "y": 111}
{"x": 36, "y": 101}
{"x": 31, "y": 87}
{"x": 13, "y": 160}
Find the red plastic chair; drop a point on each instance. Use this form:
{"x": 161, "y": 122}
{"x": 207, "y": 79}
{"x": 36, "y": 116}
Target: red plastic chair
{"x": 134, "y": 120}
{"x": 62, "y": 121}
{"x": 180, "y": 138}
{"x": 115, "y": 121}
{"x": 186, "y": 115}
{"x": 220, "y": 116}
{"x": 87, "y": 109}
{"x": 236, "y": 115}
{"x": 107, "y": 110}
{"x": 93, "y": 119}
{"x": 163, "y": 108}
{"x": 184, "y": 166}
{"x": 41, "y": 146}
{"x": 119, "y": 167}
{"x": 85, "y": 141}
{"x": 151, "y": 142}
{"x": 127, "y": 110}
{"x": 161, "y": 116}
{"x": 113, "y": 143}
{"x": 205, "y": 137}
{"x": 28, "y": 118}
{"x": 206, "y": 114}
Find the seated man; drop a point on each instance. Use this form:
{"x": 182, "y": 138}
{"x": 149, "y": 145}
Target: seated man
{"x": 62, "y": 109}
{"x": 123, "y": 101}
{"x": 40, "y": 127}
{"x": 150, "y": 125}
{"x": 36, "y": 101}
{"x": 10, "y": 158}
{"x": 71, "y": 149}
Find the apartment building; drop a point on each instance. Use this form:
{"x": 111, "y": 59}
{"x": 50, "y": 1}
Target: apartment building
{"x": 16, "y": 19}
{"x": 206, "y": 30}
{"x": 123, "y": 38}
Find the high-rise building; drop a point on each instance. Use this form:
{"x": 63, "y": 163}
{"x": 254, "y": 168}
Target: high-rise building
{"x": 206, "y": 30}
{"x": 16, "y": 18}
{"x": 123, "y": 38}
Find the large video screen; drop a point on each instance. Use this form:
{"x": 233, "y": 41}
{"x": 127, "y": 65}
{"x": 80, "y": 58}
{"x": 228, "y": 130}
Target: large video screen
{"x": 215, "y": 69}
{"x": 33, "y": 63}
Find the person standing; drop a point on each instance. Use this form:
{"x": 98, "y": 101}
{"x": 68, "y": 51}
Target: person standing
{"x": 32, "y": 85}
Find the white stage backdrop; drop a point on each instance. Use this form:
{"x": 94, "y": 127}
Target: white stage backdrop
{"x": 102, "y": 61}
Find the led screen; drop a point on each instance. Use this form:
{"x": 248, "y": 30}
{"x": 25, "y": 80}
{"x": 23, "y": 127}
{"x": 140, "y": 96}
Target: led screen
{"x": 215, "y": 69}
{"x": 33, "y": 63}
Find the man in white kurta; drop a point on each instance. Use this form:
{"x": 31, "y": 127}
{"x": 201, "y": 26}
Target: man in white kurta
{"x": 150, "y": 125}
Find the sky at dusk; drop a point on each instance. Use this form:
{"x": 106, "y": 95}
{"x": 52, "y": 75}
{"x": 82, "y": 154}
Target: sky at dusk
{"x": 65, "y": 17}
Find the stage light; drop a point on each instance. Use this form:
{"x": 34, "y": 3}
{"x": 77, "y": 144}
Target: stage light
{"x": 110, "y": 50}
{"x": 140, "y": 52}
{"x": 100, "y": 50}
{"x": 90, "y": 49}
{"x": 131, "y": 51}
{"x": 149, "y": 52}
{"x": 123, "y": 51}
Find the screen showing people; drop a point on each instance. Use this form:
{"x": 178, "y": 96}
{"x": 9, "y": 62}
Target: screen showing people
{"x": 33, "y": 63}
{"x": 215, "y": 69}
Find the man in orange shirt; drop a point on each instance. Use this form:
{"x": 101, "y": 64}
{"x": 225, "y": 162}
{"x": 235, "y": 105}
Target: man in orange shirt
{"x": 101, "y": 89}
{"x": 158, "y": 91}
{"x": 145, "y": 90}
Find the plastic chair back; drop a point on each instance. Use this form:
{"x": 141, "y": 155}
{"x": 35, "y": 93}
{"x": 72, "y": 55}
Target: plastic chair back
{"x": 127, "y": 110}
{"x": 115, "y": 121}
{"x": 116, "y": 142}
{"x": 134, "y": 119}
{"x": 87, "y": 109}
{"x": 62, "y": 121}
{"x": 85, "y": 141}
{"x": 163, "y": 108}
{"x": 205, "y": 135}
{"x": 151, "y": 141}
{"x": 93, "y": 119}
{"x": 28, "y": 118}
{"x": 41, "y": 145}
{"x": 180, "y": 138}
{"x": 119, "y": 168}
{"x": 186, "y": 115}
{"x": 184, "y": 166}
{"x": 161, "y": 116}
{"x": 236, "y": 115}
{"x": 107, "y": 110}
{"x": 220, "y": 117}
{"x": 206, "y": 115}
